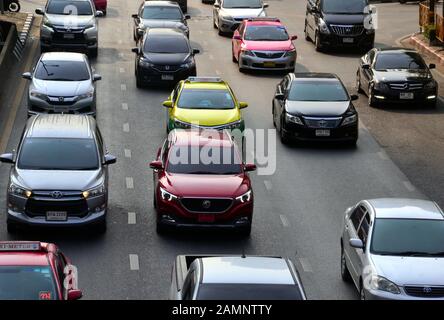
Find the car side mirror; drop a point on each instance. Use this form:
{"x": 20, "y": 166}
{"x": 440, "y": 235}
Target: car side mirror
{"x": 354, "y": 97}
{"x": 265, "y": 5}
{"x": 356, "y": 243}
{"x": 27, "y": 76}
{"x": 432, "y": 66}
{"x": 99, "y": 13}
{"x": 217, "y": 5}
{"x": 249, "y": 167}
{"x": 97, "y": 77}
{"x": 168, "y": 104}
{"x": 187, "y": 17}
{"x": 109, "y": 159}
{"x": 156, "y": 165}
{"x": 39, "y": 11}
{"x": 366, "y": 66}
{"x": 135, "y": 50}
{"x": 7, "y": 158}
{"x": 237, "y": 37}
{"x": 196, "y": 51}
{"x": 243, "y": 105}
{"x": 295, "y": 37}
{"x": 135, "y": 16}
{"x": 74, "y": 294}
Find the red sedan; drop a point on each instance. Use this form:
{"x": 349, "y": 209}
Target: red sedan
{"x": 101, "y": 5}
{"x": 200, "y": 181}
{"x": 36, "y": 271}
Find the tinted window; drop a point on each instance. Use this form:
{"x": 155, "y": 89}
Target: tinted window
{"x": 397, "y": 236}
{"x": 342, "y": 6}
{"x": 62, "y": 71}
{"x": 317, "y": 91}
{"x": 80, "y": 8}
{"x": 406, "y": 60}
{"x": 266, "y": 33}
{"x": 165, "y": 13}
{"x": 166, "y": 45}
{"x": 27, "y": 283}
{"x": 356, "y": 217}
{"x": 58, "y": 154}
{"x": 248, "y": 292}
{"x": 205, "y": 99}
{"x": 363, "y": 229}
{"x": 242, "y": 4}
{"x": 203, "y": 160}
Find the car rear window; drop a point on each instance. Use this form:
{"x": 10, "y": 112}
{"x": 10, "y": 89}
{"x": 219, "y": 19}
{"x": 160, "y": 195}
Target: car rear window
{"x": 266, "y": 33}
{"x": 405, "y": 60}
{"x": 62, "y": 71}
{"x": 166, "y": 45}
{"x": 79, "y": 8}
{"x": 248, "y": 292}
{"x": 205, "y": 99}
{"x": 317, "y": 91}
{"x": 163, "y": 13}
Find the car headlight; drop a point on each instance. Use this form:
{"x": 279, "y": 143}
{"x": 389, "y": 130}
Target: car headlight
{"x": 48, "y": 25}
{"x": 380, "y": 86}
{"x": 167, "y": 195}
{"x": 248, "y": 53}
{"x": 291, "y": 53}
{"x": 382, "y": 284}
{"x": 19, "y": 191}
{"x": 323, "y": 26}
{"x": 181, "y": 125}
{"x": 430, "y": 85}
{"x": 294, "y": 119}
{"x": 145, "y": 63}
{"x": 39, "y": 95}
{"x": 86, "y": 95}
{"x": 233, "y": 125}
{"x": 246, "y": 197}
{"x": 90, "y": 26}
{"x": 95, "y": 192}
{"x": 350, "y": 119}
{"x": 188, "y": 64}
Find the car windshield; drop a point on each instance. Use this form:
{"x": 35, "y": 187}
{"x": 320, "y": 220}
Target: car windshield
{"x": 317, "y": 91}
{"x": 242, "y": 4}
{"x": 205, "y": 99}
{"x": 58, "y": 154}
{"x": 407, "y": 60}
{"x": 218, "y": 291}
{"x": 344, "y": 6}
{"x": 27, "y": 283}
{"x": 406, "y": 237}
{"x": 204, "y": 160}
{"x": 266, "y": 33}
{"x": 166, "y": 45}
{"x": 62, "y": 71}
{"x": 164, "y": 13}
{"x": 78, "y": 8}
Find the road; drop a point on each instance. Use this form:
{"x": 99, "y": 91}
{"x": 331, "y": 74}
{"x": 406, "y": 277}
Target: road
{"x": 298, "y": 210}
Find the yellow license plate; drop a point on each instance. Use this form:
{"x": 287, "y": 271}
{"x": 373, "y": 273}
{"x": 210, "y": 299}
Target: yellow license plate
{"x": 269, "y": 64}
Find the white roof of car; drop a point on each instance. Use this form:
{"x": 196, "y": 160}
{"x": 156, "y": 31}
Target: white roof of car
{"x": 63, "y": 56}
{"x": 249, "y": 270}
{"x": 399, "y": 208}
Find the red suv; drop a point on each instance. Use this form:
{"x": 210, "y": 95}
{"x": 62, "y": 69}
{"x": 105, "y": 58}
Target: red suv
{"x": 200, "y": 181}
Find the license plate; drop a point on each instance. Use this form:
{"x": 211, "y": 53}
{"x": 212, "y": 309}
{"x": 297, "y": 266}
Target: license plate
{"x": 206, "y": 218}
{"x": 348, "y": 40}
{"x": 269, "y": 64}
{"x": 56, "y": 215}
{"x": 406, "y": 95}
{"x": 322, "y": 133}
{"x": 68, "y": 36}
{"x": 167, "y": 77}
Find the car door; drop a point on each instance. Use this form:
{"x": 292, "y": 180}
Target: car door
{"x": 351, "y": 232}
{"x": 279, "y": 103}
{"x": 367, "y": 74}
{"x": 237, "y": 44}
{"x": 162, "y": 155}
{"x": 216, "y": 10}
{"x": 363, "y": 235}
{"x": 313, "y": 10}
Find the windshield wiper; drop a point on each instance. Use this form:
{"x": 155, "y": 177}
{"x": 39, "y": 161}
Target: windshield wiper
{"x": 46, "y": 69}
{"x": 419, "y": 254}
{"x": 61, "y": 79}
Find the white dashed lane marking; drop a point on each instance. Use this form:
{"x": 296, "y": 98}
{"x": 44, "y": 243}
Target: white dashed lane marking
{"x": 129, "y": 183}
{"x": 284, "y": 220}
{"x": 134, "y": 261}
{"x": 123, "y": 87}
{"x": 305, "y": 265}
{"x": 409, "y": 186}
{"x": 131, "y": 218}
{"x": 124, "y": 106}
{"x": 127, "y": 153}
{"x": 383, "y": 155}
{"x": 268, "y": 185}
{"x": 122, "y": 70}
{"x": 126, "y": 127}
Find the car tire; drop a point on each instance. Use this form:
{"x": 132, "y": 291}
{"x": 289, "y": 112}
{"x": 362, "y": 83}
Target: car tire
{"x": 432, "y": 105}
{"x": 318, "y": 44}
{"x": 11, "y": 227}
{"x": 361, "y": 291}
{"x": 139, "y": 84}
{"x": 94, "y": 52}
{"x": 214, "y": 23}
{"x": 345, "y": 273}
{"x": 101, "y": 227}
{"x": 358, "y": 83}
{"x": 371, "y": 101}
{"x": 272, "y": 112}
{"x": 284, "y": 137}
{"x": 352, "y": 144}
{"x": 245, "y": 231}
{"x": 233, "y": 58}
{"x": 104, "y": 13}
{"x": 307, "y": 36}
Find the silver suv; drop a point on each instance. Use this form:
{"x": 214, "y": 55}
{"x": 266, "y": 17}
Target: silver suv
{"x": 59, "y": 176}
{"x": 69, "y": 24}
{"x": 62, "y": 82}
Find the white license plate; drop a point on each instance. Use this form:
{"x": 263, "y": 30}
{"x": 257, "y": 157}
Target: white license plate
{"x": 56, "y": 215}
{"x": 167, "y": 77}
{"x": 348, "y": 40}
{"x": 322, "y": 133}
{"x": 68, "y": 36}
{"x": 406, "y": 95}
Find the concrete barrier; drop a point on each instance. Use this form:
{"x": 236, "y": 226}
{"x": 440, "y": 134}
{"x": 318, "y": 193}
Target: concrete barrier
{"x": 7, "y": 59}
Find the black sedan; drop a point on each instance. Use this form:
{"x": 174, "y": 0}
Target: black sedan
{"x": 396, "y": 76}
{"x": 314, "y": 106}
{"x": 164, "y": 56}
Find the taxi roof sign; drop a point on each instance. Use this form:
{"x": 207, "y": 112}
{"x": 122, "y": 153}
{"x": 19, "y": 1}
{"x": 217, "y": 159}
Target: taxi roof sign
{"x": 204, "y": 79}
{"x": 20, "y": 246}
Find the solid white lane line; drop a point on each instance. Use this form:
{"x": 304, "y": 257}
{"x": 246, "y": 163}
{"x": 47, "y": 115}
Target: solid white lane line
{"x": 126, "y": 127}
{"x": 127, "y": 153}
{"x": 123, "y": 87}
{"x": 409, "y": 186}
{"x": 383, "y": 155}
{"x": 131, "y": 218}
{"x": 134, "y": 262}
{"x": 124, "y": 106}
{"x": 122, "y": 70}
{"x": 305, "y": 265}
{"x": 268, "y": 185}
{"x": 284, "y": 220}
{"x": 129, "y": 183}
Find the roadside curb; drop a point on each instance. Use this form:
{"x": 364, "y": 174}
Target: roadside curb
{"x": 26, "y": 28}
{"x": 423, "y": 47}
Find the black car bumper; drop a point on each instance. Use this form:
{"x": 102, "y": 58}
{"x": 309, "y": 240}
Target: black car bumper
{"x": 156, "y": 76}
{"x": 339, "y": 134}
{"x": 333, "y": 40}
{"x": 390, "y": 96}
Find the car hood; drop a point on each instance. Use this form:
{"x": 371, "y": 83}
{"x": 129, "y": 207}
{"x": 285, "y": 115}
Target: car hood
{"x": 402, "y": 75}
{"x": 61, "y": 88}
{"x": 157, "y": 23}
{"x": 57, "y": 179}
{"x": 269, "y": 45}
{"x": 410, "y": 270}
{"x": 200, "y": 185}
{"x": 242, "y": 12}
{"x": 69, "y": 20}
{"x": 207, "y": 117}
{"x": 344, "y": 19}
{"x": 167, "y": 58}
{"x": 317, "y": 108}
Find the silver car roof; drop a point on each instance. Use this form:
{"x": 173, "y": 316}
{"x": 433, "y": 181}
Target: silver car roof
{"x": 63, "y": 56}
{"x": 251, "y": 270}
{"x": 60, "y": 126}
{"x": 401, "y": 208}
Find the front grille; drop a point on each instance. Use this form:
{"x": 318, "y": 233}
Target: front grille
{"x": 205, "y": 205}
{"x": 170, "y": 68}
{"x": 269, "y": 54}
{"x": 67, "y": 101}
{"x": 406, "y": 86}
{"x": 42, "y": 201}
{"x": 347, "y": 30}
{"x": 322, "y": 123}
{"x": 261, "y": 65}
{"x": 76, "y": 34}
{"x": 424, "y": 291}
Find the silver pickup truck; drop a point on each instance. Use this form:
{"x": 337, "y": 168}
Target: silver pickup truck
{"x": 229, "y": 277}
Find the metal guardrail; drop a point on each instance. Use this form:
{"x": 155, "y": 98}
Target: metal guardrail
{"x": 424, "y": 14}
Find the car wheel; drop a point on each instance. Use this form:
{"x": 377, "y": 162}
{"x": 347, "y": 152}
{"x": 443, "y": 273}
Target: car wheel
{"x": 284, "y": 137}
{"x": 104, "y": 13}
{"x": 358, "y": 83}
{"x": 318, "y": 44}
{"x": 432, "y": 105}
{"x": 233, "y": 58}
{"x": 138, "y": 81}
{"x": 14, "y": 6}
{"x": 345, "y": 273}
{"x": 307, "y": 36}
{"x": 214, "y": 23}
{"x": 371, "y": 100}
{"x": 100, "y": 228}
{"x": 154, "y": 200}
{"x": 361, "y": 291}
{"x": 274, "y": 118}
{"x": 94, "y": 52}
{"x": 11, "y": 227}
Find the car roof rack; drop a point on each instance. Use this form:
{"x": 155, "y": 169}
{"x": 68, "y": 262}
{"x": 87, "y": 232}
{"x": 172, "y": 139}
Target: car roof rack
{"x": 204, "y": 79}
{"x": 264, "y": 19}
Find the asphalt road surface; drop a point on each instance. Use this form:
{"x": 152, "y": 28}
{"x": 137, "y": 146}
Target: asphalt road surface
{"x": 298, "y": 210}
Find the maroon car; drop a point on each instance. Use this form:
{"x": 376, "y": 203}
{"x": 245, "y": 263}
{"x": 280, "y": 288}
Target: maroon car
{"x": 200, "y": 181}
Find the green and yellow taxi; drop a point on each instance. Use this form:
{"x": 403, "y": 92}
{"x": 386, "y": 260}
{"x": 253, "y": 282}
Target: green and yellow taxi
{"x": 205, "y": 103}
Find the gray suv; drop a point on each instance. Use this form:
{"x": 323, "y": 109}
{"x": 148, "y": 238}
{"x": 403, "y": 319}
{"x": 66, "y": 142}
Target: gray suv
{"x": 59, "y": 176}
{"x": 62, "y": 82}
{"x": 69, "y": 24}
